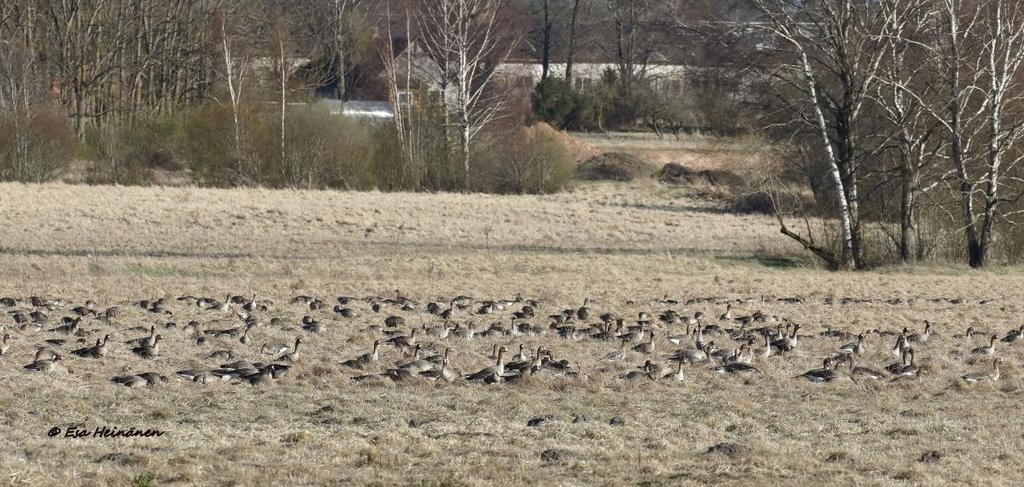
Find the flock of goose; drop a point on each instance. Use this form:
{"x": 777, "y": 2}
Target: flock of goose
{"x": 228, "y": 338}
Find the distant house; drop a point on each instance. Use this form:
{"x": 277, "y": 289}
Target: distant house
{"x": 362, "y": 109}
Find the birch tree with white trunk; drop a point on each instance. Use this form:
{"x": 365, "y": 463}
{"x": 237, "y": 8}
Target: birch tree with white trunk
{"x": 831, "y": 58}
{"x": 468, "y": 39}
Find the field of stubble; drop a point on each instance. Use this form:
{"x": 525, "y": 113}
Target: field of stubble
{"x": 623, "y": 247}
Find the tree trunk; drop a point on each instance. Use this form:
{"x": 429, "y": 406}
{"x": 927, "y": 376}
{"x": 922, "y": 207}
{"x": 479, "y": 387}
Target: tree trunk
{"x": 571, "y": 48}
{"x": 546, "y": 43}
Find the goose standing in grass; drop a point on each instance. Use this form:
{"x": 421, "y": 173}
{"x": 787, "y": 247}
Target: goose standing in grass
{"x": 444, "y": 373}
{"x": 857, "y": 347}
{"x": 149, "y": 351}
{"x": 1013, "y": 336}
{"x": 641, "y": 372}
{"x": 921, "y": 337}
{"x": 365, "y": 359}
{"x": 293, "y": 354}
{"x": 736, "y": 368}
{"x": 677, "y": 375}
{"x": 618, "y": 355}
{"x": 404, "y": 341}
{"x": 727, "y": 316}
{"x": 910, "y": 369}
{"x": 788, "y": 342}
{"x": 275, "y": 348}
{"x": 987, "y": 350}
{"x": 45, "y": 365}
{"x": 992, "y": 375}
{"x": 647, "y": 347}
{"x": 5, "y": 345}
{"x": 97, "y": 351}
{"x": 493, "y": 373}
{"x": 863, "y": 371}
{"x": 826, "y": 373}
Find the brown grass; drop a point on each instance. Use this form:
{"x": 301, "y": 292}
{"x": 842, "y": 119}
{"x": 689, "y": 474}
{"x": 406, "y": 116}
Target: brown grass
{"x": 615, "y": 244}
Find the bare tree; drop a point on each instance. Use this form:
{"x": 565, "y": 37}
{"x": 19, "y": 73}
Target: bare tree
{"x": 468, "y": 39}
{"x": 404, "y": 120}
{"x": 235, "y": 39}
{"x": 634, "y": 42}
{"x": 835, "y": 53}
{"x": 979, "y": 47}
{"x": 904, "y": 79}
{"x": 570, "y": 50}
{"x": 29, "y": 152}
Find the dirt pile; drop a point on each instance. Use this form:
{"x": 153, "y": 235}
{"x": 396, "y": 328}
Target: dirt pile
{"x": 613, "y": 166}
{"x": 673, "y": 173}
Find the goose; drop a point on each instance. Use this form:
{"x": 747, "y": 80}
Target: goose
{"x": 97, "y": 351}
{"x": 618, "y": 355}
{"x": 736, "y": 368}
{"x": 826, "y": 373}
{"x": 293, "y": 354}
{"x": 244, "y": 339}
{"x": 857, "y": 347}
{"x": 910, "y": 369}
{"x": 131, "y": 381}
{"x": 43, "y": 353}
{"x": 148, "y": 340}
{"x": 727, "y": 316}
{"x": 492, "y": 373}
{"x": 1014, "y": 335}
{"x": 5, "y": 345}
{"x": 583, "y": 313}
{"x": 787, "y": 343}
{"x": 647, "y": 347}
{"x": 921, "y": 337}
{"x": 417, "y": 364}
{"x": 275, "y": 348}
{"x": 677, "y": 375}
{"x": 698, "y": 338}
{"x": 46, "y": 365}
{"x": 364, "y": 359}
{"x": 984, "y": 376}
{"x": 900, "y": 347}
{"x": 864, "y": 371}
{"x": 444, "y": 373}
{"x": 989, "y": 350}
{"x": 149, "y": 351}
{"x": 521, "y": 356}
{"x": 641, "y": 372}
{"x": 403, "y": 341}
{"x": 251, "y": 305}
{"x": 693, "y": 356}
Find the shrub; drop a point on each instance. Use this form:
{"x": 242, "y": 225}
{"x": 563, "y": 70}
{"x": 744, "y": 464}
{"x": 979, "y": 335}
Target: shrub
{"x": 34, "y": 146}
{"x": 132, "y": 153}
{"x": 528, "y": 160}
{"x": 553, "y": 101}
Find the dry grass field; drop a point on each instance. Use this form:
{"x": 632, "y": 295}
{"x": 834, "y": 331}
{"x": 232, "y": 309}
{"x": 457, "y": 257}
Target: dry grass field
{"x": 622, "y": 246}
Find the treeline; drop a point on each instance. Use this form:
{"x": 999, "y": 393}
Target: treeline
{"x": 903, "y": 117}
{"x": 225, "y": 89}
